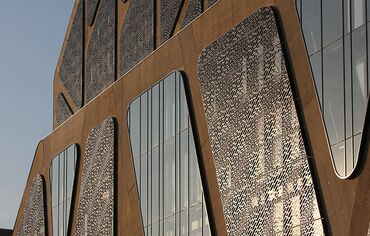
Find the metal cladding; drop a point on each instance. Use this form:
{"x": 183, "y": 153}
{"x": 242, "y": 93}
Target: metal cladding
{"x": 71, "y": 74}
{"x": 260, "y": 158}
{"x": 137, "y": 34}
{"x": 100, "y": 66}
{"x": 96, "y": 204}
{"x": 33, "y": 218}
{"x": 92, "y": 7}
{"x": 169, "y": 12}
{"x": 194, "y": 10}
{"x": 63, "y": 112}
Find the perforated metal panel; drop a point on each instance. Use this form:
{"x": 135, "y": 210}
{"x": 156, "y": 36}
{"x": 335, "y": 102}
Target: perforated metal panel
{"x": 194, "y": 10}
{"x": 137, "y": 34}
{"x": 92, "y": 6}
{"x": 100, "y": 66}
{"x": 257, "y": 145}
{"x": 95, "y": 214}
{"x": 70, "y": 73}
{"x": 170, "y": 9}
{"x": 33, "y": 218}
{"x": 63, "y": 112}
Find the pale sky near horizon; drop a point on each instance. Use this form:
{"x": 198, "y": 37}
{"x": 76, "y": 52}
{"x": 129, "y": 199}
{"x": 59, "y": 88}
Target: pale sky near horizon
{"x": 31, "y": 36}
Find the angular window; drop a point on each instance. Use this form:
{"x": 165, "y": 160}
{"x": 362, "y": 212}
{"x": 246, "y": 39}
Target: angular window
{"x": 166, "y": 164}
{"x": 62, "y": 175}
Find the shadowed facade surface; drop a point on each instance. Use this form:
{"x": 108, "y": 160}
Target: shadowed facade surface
{"x": 199, "y": 117}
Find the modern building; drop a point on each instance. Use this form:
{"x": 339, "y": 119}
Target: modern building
{"x": 204, "y": 117}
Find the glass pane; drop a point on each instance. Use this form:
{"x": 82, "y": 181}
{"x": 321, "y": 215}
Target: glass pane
{"x": 135, "y": 127}
{"x": 358, "y": 13}
{"x": 71, "y": 161}
{"x": 359, "y": 78}
{"x": 338, "y": 152}
{"x": 61, "y": 219}
{"x": 332, "y": 21}
{"x": 184, "y": 115}
{"x": 61, "y": 178}
{"x": 155, "y": 229}
{"x": 143, "y": 187}
{"x": 55, "y": 181}
{"x": 195, "y": 184}
{"x": 155, "y": 184}
{"x": 356, "y": 146}
{"x": 169, "y": 177}
{"x": 348, "y": 84}
{"x": 184, "y": 170}
{"x": 347, "y": 16}
{"x": 206, "y": 227}
{"x": 55, "y": 214}
{"x": 316, "y": 64}
{"x": 155, "y": 116}
{"x": 169, "y": 226}
{"x": 169, "y": 107}
{"x": 144, "y": 123}
{"x": 334, "y": 92}
{"x": 184, "y": 223}
{"x": 311, "y": 24}
{"x": 349, "y": 156}
{"x": 195, "y": 220}
{"x": 299, "y": 7}
{"x": 137, "y": 173}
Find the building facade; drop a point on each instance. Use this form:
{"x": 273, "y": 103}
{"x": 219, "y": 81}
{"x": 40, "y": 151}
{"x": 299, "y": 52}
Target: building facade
{"x": 201, "y": 117}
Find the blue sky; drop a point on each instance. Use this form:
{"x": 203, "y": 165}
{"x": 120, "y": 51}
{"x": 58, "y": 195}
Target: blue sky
{"x": 31, "y": 36}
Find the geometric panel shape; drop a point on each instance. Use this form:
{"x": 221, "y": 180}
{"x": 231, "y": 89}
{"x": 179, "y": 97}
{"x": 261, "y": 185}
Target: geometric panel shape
{"x": 194, "y": 10}
{"x": 33, "y": 218}
{"x": 165, "y": 160}
{"x": 100, "y": 66}
{"x": 63, "y": 112}
{"x": 62, "y": 175}
{"x": 137, "y": 34}
{"x": 169, "y": 13}
{"x": 92, "y": 6}
{"x": 95, "y": 214}
{"x": 71, "y": 67}
{"x": 257, "y": 145}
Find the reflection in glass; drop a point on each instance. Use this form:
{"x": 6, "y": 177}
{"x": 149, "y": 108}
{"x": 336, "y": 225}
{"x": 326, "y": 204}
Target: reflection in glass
{"x": 62, "y": 174}
{"x": 344, "y": 79}
{"x": 331, "y": 21}
{"x": 167, "y": 170}
{"x": 311, "y": 24}
{"x": 359, "y": 77}
{"x": 334, "y": 92}
{"x": 358, "y": 13}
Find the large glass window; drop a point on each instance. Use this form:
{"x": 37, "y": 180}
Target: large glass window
{"x": 166, "y": 163}
{"x": 62, "y": 175}
{"x": 340, "y": 65}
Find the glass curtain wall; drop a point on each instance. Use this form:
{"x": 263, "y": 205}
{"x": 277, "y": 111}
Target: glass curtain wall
{"x": 166, "y": 164}
{"x": 337, "y": 37}
{"x": 62, "y": 173}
